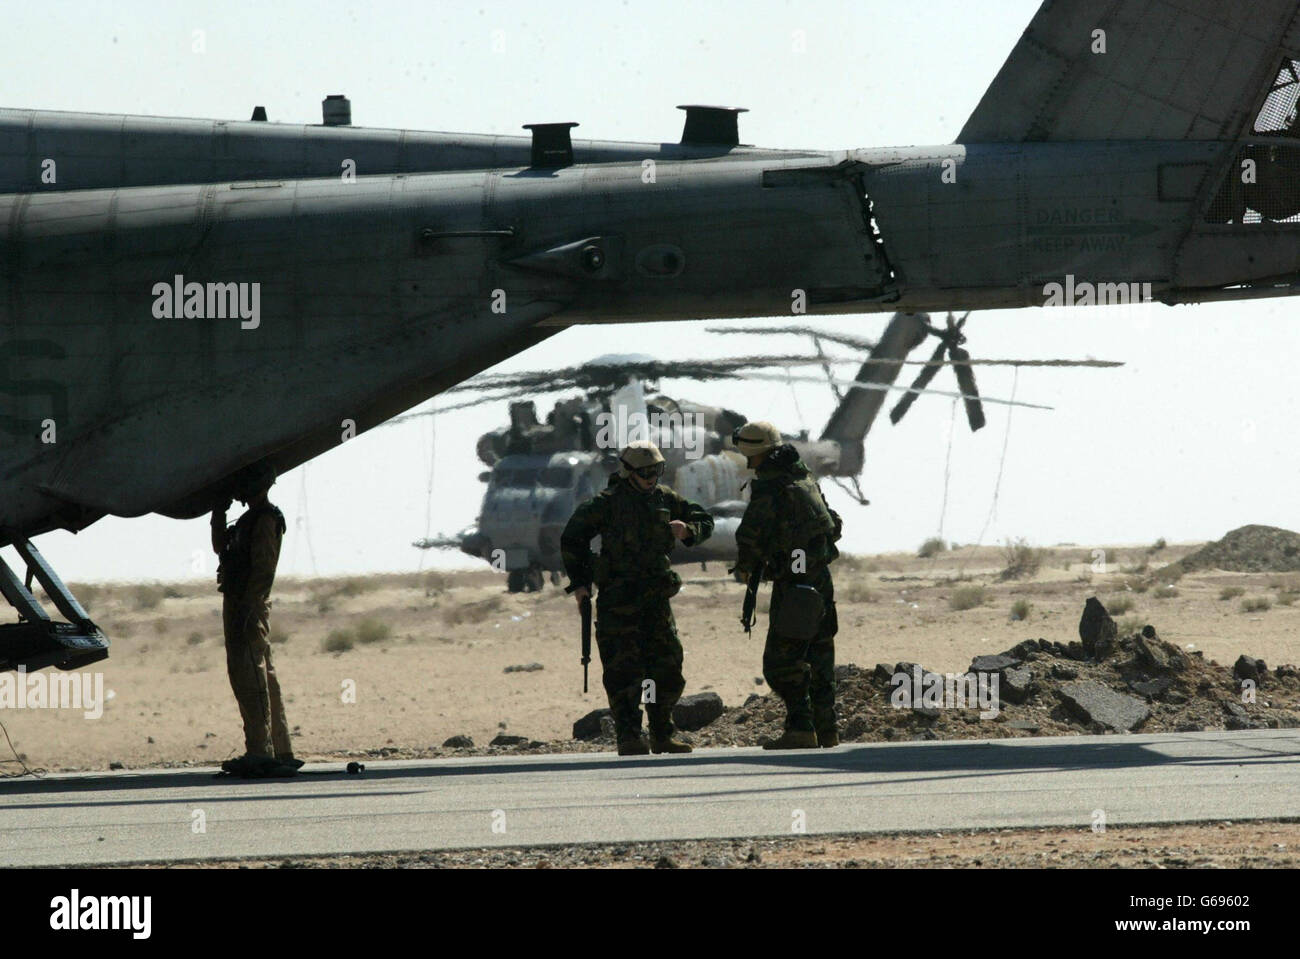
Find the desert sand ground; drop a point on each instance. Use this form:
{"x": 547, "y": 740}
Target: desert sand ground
{"x": 428, "y": 652}
{"x": 1223, "y": 845}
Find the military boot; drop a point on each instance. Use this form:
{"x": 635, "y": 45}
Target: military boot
{"x": 828, "y": 737}
{"x": 633, "y": 747}
{"x": 260, "y": 767}
{"x": 668, "y": 745}
{"x": 793, "y": 739}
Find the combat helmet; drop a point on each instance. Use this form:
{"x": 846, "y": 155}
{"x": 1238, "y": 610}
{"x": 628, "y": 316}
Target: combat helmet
{"x": 642, "y": 458}
{"x": 755, "y": 439}
{"x": 254, "y": 479}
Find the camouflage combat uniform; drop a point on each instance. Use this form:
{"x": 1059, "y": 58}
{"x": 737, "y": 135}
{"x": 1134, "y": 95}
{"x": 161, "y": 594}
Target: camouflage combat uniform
{"x": 635, "y": 630}
{"x": 250, "y": 551}
{"x": 786, "y": 512}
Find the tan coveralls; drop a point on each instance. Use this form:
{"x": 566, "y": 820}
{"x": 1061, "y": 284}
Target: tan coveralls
{"x": 246, "y": 619}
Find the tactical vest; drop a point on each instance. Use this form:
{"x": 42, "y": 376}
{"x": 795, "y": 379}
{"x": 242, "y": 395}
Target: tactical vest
{"x": 635, "y": 543}
{"x": 237, "y": 558}
{"x": 804, "y": 522}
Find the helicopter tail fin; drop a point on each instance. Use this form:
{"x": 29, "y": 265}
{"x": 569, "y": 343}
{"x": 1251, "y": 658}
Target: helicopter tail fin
{"x": 1139, "y": 70}
{"x": 858, "y": 408}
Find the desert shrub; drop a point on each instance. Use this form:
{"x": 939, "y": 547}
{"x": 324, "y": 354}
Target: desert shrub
{"x": 195, "y": 638}
{"x": 1168, "y": 574}
{"x": 171, "y": 592}
{"x": 1158, "y": 545}
{"x": 85, "y": 592}
{"x": 148, "y": 596}
{"x": 1287, "y": 597}
{"x": 1165, "y": 592}
{"x": 338, "y": 641}
{"x": 1231, "y": 592}
{"x": 857, "y": 564}
{"x": 436, "y": 583}
{"x": 1119, "y": 605}
{"x": 967, "y": 597}
{"x": 323, "y": 594}
{"x": 931, "y": 547}
{"x": 277, "y": 635}
{"x": 371, "y": 630}
{"x": 472, "y": 612}
{"x": 160, "y": 626}
{"x": 1020, "y": 610}
{"x": 1022, "y": 560}
{"x": 1129, "y": 625}
{"x": 1256, "y": 604}
{"x": 856, "y": 592}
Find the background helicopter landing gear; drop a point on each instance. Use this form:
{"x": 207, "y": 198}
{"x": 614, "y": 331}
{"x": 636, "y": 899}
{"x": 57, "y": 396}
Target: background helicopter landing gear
{"x": 528, "y": 580}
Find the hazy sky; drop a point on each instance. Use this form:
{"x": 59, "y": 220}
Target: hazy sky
{"x": 1192, "y": 438}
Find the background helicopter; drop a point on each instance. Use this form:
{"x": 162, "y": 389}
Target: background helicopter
{"x": 539, "y": 471}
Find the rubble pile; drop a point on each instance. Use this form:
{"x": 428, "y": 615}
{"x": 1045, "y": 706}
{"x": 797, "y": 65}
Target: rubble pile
{"x": 1101, "y": 683}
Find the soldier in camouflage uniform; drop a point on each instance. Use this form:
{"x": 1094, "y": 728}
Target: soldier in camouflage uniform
{"x": 789, "y": 533}
{"x": 250, "y": 551}
{"x": 638, "y": 522}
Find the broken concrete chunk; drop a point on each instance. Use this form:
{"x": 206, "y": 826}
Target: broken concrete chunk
{"x": 1247, "y": 667}
{"x": 1154, "y": 653}
{"x": 1092, "y": 702}
{"x": 1015, "y": 685}
{"x": 697, "y": 711}
{"x": 588, "y": 727}
{"x": 993, "y": 664}
{"x": 1097, "y": 630}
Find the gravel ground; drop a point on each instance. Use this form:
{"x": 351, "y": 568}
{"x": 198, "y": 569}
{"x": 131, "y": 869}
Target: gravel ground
{"x": 1212, "y": 845}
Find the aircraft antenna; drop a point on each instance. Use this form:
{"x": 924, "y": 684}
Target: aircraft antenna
{"x": 428, "y": 493}
{"x": 1002, "y": 462}
{"x": 947, "y": 472}
{"x": 303, "y": 520}
{"x": 795, "y": 397}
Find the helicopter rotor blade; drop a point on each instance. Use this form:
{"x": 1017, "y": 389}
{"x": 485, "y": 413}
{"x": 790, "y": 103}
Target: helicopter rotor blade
{"x": 895, "y": 388}
{"x": 966, "y": 382}
{"x": 844, "y": 339}
{"x": 922, "y": 380}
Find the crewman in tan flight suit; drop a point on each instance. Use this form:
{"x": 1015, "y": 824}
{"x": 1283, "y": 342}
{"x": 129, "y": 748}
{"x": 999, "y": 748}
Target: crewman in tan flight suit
{"x": 250, "y": 551}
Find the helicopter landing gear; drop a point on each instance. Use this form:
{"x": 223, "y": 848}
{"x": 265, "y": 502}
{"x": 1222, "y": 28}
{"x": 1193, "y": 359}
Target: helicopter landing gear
{"x": 37, "y": 641}
{"x": 525, "y": 580}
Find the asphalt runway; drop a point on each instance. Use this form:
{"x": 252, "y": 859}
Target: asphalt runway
{"x": 121, "y": 817}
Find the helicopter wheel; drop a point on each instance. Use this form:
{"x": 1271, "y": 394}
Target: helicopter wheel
{"x": 515, "y": 580}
